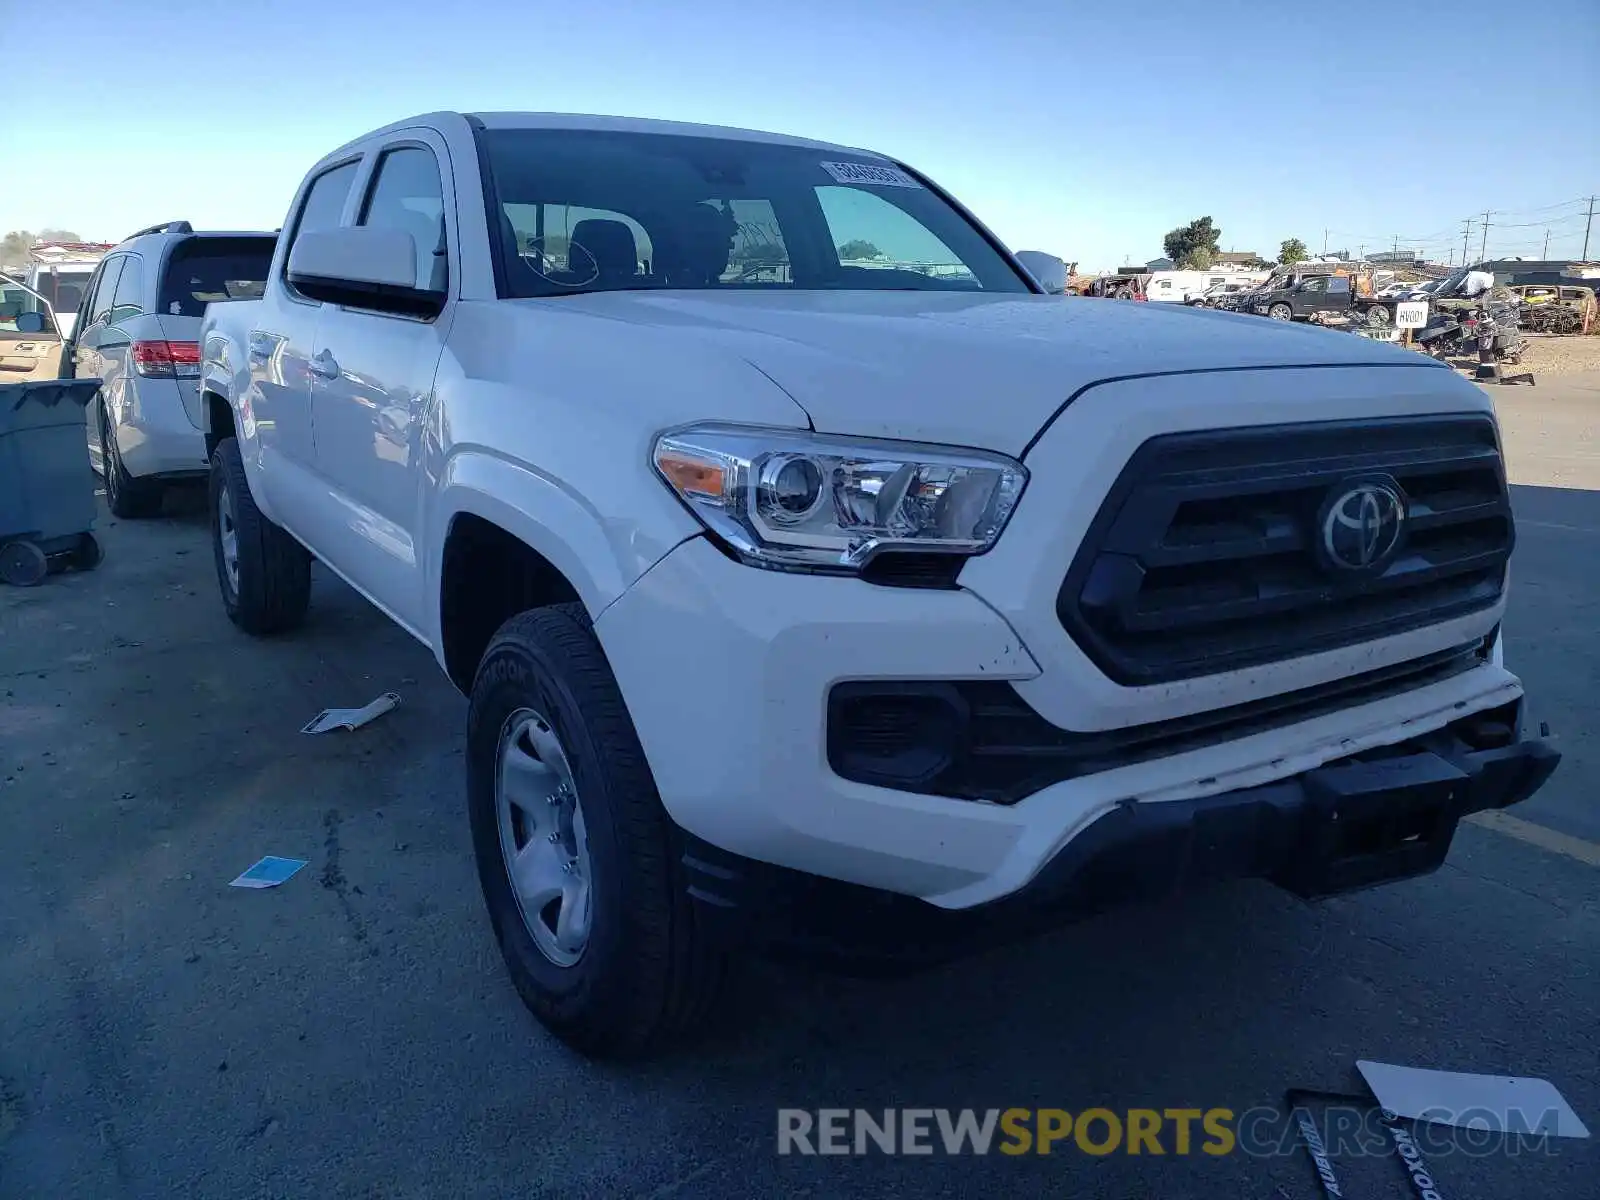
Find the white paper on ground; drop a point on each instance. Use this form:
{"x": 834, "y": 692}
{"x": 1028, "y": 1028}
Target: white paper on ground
{"x": 1502, "y": 1103}
{"x": 351, "y": 718}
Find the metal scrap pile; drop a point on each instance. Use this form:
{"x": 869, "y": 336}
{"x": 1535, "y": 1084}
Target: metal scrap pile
{"x": 1557, "y": 310}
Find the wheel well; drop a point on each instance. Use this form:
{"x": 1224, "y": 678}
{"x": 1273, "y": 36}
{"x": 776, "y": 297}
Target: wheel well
{"x": 219, "y": 421}
{"x": 488, "y": 576}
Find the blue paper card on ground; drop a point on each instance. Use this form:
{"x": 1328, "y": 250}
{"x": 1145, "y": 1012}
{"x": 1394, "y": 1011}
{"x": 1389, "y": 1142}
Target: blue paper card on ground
{"x": 269, "y": 872}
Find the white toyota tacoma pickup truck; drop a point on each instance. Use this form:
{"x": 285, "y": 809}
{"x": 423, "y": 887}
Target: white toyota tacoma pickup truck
{"x": 818, "y": 580}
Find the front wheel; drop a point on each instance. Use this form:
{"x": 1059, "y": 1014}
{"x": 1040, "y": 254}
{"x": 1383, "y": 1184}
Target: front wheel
{"x": 264, "y": 574}
{"x": 1280, "y": 312}
{"x": 1377, "y": 316}
{"x": 577, "y": 858}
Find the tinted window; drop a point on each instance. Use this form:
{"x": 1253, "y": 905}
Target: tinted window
{"x": 1338, "y": 285}
{"x": 128, "y": 299}
{"x": 580, "y": 210}
{"x": 407, "y": 194}
{"x": 210, "y": 270}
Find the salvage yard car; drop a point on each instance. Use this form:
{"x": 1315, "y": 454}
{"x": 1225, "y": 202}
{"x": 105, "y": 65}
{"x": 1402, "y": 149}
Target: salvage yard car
{"x": 869, "y": 611}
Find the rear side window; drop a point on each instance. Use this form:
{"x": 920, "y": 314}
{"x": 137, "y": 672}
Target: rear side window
{"x": 128, "y": 300}
{"x": 100, "y": 307}
{"x": 1338, "y": 285}
{"x": 211, "y": 270}
{"x": 407, "y": 194}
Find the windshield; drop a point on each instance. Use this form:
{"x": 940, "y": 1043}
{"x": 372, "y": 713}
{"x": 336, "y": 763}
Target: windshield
{"x": 206, "y": 270}
{"x": 585, "y": 211}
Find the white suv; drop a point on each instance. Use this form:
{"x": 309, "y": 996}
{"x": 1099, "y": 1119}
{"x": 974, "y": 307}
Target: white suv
{"x": 138, "y": 330}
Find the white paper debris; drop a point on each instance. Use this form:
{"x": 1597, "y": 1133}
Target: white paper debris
{"x": 1503, "y": 1103}
{"x": 269, "y": 872}
{"x": 352, "y": 718}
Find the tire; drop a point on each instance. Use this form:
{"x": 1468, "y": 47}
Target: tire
{"x": 87, "y": 555}
{"x": 268, "y": 587}
{"x": 647, "y": 974}
{"x": 23, "y": 563}
{"x": 129, "y": 498}
{"x": 1377, "y": 317}
{"x": 1281, "y": 312}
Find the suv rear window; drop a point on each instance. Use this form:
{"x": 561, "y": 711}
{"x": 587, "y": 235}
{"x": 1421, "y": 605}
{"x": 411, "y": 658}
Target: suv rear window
{"x": 209, "y": 270}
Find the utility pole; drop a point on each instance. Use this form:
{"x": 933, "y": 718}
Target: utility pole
{"x": 1466, "y": 232}
{"x": 1483, "y": 248}
{"x": 1545, "y": 254}
{"x": 1324, "y": 243}
{"x": 1395, "y": 257}
{"x": 1586, "y": 224}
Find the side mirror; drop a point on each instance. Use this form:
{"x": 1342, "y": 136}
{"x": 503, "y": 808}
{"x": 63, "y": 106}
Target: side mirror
{"x": 362, "y": 266}
{"x": 1049, "y": 271}
{"x": 32, "y": 322}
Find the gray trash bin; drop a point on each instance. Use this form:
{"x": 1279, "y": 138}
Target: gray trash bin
{"x": 47, "y": 504}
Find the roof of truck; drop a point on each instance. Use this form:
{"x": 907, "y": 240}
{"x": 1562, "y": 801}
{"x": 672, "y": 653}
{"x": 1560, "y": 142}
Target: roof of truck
{"x": 547, "y": 120}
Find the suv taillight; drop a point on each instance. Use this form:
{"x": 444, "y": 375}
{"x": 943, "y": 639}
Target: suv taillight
{"x": 167, "y": 360}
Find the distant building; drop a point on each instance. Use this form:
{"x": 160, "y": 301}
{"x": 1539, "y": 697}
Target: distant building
{"x": 1393, "y": 256}
{"x": 1160, "y": 264}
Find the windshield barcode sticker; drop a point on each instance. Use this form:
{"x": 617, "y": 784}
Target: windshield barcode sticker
{"x": 871, "y": 174}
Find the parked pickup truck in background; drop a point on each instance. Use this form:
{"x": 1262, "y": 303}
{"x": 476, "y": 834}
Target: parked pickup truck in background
{"x": 877, "y": 609}
{"x": 1297, "y": 296}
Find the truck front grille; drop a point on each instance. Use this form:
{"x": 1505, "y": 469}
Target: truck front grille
{"x": 1210, "y": 552}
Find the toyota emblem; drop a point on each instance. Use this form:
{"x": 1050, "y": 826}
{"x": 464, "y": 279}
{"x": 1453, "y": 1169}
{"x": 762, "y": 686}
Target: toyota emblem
{"x": 1362, "y": 524}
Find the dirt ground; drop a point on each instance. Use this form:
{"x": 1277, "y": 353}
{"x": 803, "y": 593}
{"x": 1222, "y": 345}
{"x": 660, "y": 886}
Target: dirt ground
{"x": 1556, "y": 356}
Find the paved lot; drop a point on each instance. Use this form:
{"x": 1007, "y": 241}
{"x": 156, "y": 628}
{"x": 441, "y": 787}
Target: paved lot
{"x": 351, "y": 1034}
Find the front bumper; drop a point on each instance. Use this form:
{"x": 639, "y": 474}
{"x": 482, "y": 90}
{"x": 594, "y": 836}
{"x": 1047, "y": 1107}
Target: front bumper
{"x": 1350, "y": 825}
{"x": 727, "y": 672}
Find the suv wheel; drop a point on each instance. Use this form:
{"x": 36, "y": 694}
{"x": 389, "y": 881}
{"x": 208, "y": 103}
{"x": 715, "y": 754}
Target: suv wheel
{"x": 264, "y": 574}
{"x": 578, "y": 860}
{"x": 1377, "y": 316}
{"x": 1280, "y": 312}
{"x": 129, "y": 498}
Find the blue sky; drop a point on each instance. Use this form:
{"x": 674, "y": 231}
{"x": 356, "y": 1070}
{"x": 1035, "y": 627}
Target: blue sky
{"x": 1084, "y": 129}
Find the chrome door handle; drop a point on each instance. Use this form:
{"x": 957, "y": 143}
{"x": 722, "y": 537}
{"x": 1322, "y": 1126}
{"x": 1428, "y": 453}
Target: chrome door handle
{"x": 324, "y": 365}
{"x": 260, "y": 347}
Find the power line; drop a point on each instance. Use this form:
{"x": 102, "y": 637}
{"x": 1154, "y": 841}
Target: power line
{"x": 1524, "y": 212}
{"x": 1588, "y": 221}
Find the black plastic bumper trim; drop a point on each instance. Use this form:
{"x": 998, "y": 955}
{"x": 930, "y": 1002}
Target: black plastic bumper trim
{"x": 1349, "y": 825}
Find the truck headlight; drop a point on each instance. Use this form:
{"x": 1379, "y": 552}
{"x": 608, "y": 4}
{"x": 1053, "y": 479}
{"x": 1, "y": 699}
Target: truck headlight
{"x": 790, "y": 499}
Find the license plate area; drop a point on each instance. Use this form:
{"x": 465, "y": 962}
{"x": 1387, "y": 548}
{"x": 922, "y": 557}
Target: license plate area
{"x": 1366, "y": 823}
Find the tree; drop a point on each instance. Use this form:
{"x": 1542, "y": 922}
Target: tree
{"x": 14, "y": 246}
{"x": 1293, "y": 250}
{"x": 858, "y": 248}
{"x": 1193, "y": 246}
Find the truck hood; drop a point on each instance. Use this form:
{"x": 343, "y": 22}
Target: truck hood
{"x": 959, "y": 369}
